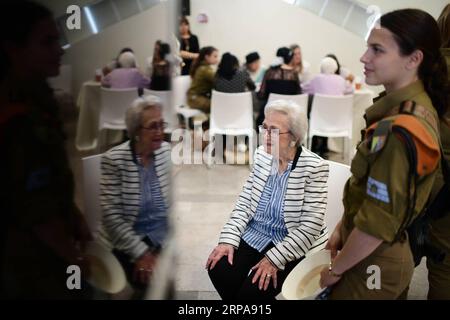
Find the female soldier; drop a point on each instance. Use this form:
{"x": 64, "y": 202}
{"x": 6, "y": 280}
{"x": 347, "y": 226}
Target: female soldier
{"x": 395, "y": 165}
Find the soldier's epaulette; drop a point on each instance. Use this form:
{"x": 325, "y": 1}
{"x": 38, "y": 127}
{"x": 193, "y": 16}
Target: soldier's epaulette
{"x": 411, "y": 107}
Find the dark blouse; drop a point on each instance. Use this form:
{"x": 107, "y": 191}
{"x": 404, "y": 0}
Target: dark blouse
{"x": 280, "y": 81}
{"x": 238, "y": 83}
{"x": 190, "y": 45}
{"x": 161, "y": 77}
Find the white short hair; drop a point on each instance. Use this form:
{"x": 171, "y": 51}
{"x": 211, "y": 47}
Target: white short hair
{"x": 133, "y": 117}
{"x": 127, "y": 60}
{"x": 297, "y": 121}
{"x": 328, "y": 65}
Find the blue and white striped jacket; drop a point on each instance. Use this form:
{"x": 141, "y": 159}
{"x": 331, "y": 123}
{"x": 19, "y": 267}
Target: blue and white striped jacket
{"x": 120, "y": 196}
{"x": 305, "y": 202}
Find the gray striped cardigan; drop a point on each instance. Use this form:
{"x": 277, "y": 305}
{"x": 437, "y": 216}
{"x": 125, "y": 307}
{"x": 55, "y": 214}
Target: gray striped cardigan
{"x": 120, "y": 196}
{"x": 304, "y": 206}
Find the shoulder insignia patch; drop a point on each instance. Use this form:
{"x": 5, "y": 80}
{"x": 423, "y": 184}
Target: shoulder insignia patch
{"x": 380, "y": 135}
{"x": 377, "y": 190}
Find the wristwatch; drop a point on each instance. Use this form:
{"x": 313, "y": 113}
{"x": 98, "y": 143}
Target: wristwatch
{"x": 332, "y": 273}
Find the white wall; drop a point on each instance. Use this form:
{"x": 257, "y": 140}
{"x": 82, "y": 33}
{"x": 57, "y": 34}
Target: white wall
{"x": 138, "y": 32}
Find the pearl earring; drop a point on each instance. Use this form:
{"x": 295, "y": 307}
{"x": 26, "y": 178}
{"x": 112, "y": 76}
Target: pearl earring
{"x": 292, "y": 144}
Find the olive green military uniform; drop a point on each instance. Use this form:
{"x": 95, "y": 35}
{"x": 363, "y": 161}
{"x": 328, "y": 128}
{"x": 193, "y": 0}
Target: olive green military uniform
{"x": 200, "y": 91}
{"x": 376, "y": 200}
{"x": 439, "y": 273}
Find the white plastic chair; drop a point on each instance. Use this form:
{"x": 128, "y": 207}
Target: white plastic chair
{"x": 338, "y": 176}
{"x": 232, "y": 114}
{"x": 114, "y": 103}
{"x": 331, "y": 116}
{"x": 300, "y": 99}
{"x": 168, "y": 111}
{"x": 91, "y": 192}
{"x": 180, "y": 87}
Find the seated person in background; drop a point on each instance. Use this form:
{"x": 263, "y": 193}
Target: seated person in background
{"x": 231, "y": 79}
{"x": 115, "y": 63}
{"x": 134, "y": 193}
{"x": 253, "y": 67}
{"x": 281, "y": 78}
{"x": 152, "y": 59}
{"x": 327, "y": 82}
{"x": 161, "y": 75}
{"x": 342, "y": 71}
{"x": 301, "y": 66}
{"x": 278, "y": 217}
{"x": 127, "y": 75}
{"x": 202, "y": 74}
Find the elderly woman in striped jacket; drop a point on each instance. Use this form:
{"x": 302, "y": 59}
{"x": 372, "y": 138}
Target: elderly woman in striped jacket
{"x": 279, "y": 215}
{"x": 134, "y": 193}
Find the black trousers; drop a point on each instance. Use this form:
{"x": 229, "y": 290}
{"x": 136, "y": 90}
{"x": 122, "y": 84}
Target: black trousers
{"x": 233, "y": 282}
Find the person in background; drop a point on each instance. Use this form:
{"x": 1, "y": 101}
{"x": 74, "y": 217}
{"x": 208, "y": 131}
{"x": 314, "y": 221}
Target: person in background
{"x": 300, "y": 66}
{"x": 279, "y": 215}
{"x": 42, "y": 231}
{"x": 439, "y": 271}
{"x": 189, "y": 46}
{"x": 231, "y": 79}
{"x": 280, "y": 78}
{"x": 134, "y": 193}
{"x": 161, "y": 76}
{"x": 155, "y": 58}
{"x": 342, "y": 71}
{"x": 203, "y": 75}
{"x": 115, "y": 63}
{"x": 329, "y": 83}
{"x": 396, "y": 164}
{"x": 253, "y": 67}
{"x": 127, "y": 75}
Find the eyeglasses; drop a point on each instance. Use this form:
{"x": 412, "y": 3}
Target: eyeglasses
{"x": 263, "y": 129}
{"x": 154, "y": 126}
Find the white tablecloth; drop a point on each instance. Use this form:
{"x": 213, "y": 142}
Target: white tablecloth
{"x": 89, "y": 104}
{"x": 362, "y": 99}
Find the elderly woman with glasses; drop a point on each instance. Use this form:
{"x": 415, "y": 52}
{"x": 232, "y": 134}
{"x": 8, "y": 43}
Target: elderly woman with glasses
{"x": 279, "y": 215}
{"x": 135, "y": 193}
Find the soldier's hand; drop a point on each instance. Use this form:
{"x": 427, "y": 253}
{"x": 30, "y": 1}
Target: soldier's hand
{"x": 334, "y": 243}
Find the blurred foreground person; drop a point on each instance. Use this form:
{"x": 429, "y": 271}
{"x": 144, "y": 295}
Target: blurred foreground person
{"x": 42, "y": 231}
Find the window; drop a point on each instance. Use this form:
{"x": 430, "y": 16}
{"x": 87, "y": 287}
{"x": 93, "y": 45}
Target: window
{"x": 348, "y": 14}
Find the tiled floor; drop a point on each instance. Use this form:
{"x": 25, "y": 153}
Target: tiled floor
{"x": 204, "y": 199}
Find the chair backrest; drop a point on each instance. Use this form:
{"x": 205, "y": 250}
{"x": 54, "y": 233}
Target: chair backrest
{"x": 168, "y": 112}
{"x": 115, "y": 102}
{"x": 180, "y": 87}
{"x": 338, "y": 176}
{"x": 231, "y": 110}
{"x": 331, "y": 116}
{"x": 63, "y": 81}
{"x": 91, "y": 192}
{"x": 300, "y": 99}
